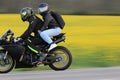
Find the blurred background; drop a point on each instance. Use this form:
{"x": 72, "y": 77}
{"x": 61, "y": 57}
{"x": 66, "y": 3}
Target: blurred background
{"x": 93, "y": 40}
{"x": 65, "y": 6}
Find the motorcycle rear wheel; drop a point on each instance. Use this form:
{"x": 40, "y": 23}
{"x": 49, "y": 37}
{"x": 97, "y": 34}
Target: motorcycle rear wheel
{"x": 64, "y": 61}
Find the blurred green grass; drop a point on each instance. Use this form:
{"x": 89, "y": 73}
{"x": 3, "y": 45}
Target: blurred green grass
{"x": 94, "y": 41}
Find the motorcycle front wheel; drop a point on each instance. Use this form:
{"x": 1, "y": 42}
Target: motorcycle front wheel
{"x": 64, "y": 58}
{"x": 7, "y": 63}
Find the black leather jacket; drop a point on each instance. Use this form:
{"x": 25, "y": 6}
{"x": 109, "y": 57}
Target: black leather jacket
{"x": 49, "y": 21}
{"x": 35, "y": 24}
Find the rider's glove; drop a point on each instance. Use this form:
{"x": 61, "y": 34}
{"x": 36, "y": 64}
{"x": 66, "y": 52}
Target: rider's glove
{"x": 39, "y": 31}
{"x": 17, "y": 39}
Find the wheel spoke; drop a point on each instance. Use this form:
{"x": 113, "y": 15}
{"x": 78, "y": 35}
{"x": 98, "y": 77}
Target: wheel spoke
{"x": 63, "y": 59}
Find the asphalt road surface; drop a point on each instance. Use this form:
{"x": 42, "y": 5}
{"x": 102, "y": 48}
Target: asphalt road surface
{"x": 109, "y": 73}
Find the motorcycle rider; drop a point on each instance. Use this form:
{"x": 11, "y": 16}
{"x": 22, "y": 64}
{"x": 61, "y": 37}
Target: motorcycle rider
{"x": 50, "y": 26}
{"x": 35, "y": 24}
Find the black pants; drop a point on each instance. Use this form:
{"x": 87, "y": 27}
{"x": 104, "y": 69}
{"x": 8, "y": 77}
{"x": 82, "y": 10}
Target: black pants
{"x": 31, "y": 45}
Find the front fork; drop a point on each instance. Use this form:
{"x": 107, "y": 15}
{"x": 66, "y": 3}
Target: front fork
{"x": 3, "y": 59}
{"x": 4, "y": 55}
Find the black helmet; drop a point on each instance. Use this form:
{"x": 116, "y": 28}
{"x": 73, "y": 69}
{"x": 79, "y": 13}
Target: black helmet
{"x": 26, "y": 13}
{"x": 43, "y": 7}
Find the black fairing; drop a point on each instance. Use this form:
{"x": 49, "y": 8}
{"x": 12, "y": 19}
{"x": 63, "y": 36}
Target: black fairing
{"x": 14, "y": 50}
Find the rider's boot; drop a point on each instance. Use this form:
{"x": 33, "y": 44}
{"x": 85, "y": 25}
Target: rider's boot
{"x": 53, "y": 45}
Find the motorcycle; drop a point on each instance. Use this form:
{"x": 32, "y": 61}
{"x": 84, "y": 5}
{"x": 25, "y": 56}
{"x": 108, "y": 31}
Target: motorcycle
{"x": 13, "y": 54}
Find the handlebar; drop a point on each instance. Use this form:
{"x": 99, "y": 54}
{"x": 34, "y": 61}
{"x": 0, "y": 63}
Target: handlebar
{"x": 7, "y": 33}
{"x": 11, "y": 39}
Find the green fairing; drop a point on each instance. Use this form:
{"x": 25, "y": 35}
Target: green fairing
{"x": 29, "y": 40}
{"x": 33, "y": 49}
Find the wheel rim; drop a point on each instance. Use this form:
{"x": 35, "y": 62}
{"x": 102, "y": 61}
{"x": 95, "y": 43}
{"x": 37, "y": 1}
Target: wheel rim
{"x": 63, "y": 59}
{"x": 6, "y": 64}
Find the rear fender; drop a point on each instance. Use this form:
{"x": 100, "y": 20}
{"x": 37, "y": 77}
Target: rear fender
{"x": 60, "y": 39}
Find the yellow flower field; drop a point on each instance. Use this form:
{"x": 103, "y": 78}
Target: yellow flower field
{"x": 93, "y": 30}
{"x": 81, "y": 30}
{"x": 91, "y": 38}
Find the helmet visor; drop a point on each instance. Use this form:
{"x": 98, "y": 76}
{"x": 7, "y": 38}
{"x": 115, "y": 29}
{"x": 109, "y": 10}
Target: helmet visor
{"x": 23, "y": 13}
{"x": 42, "y": 9}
